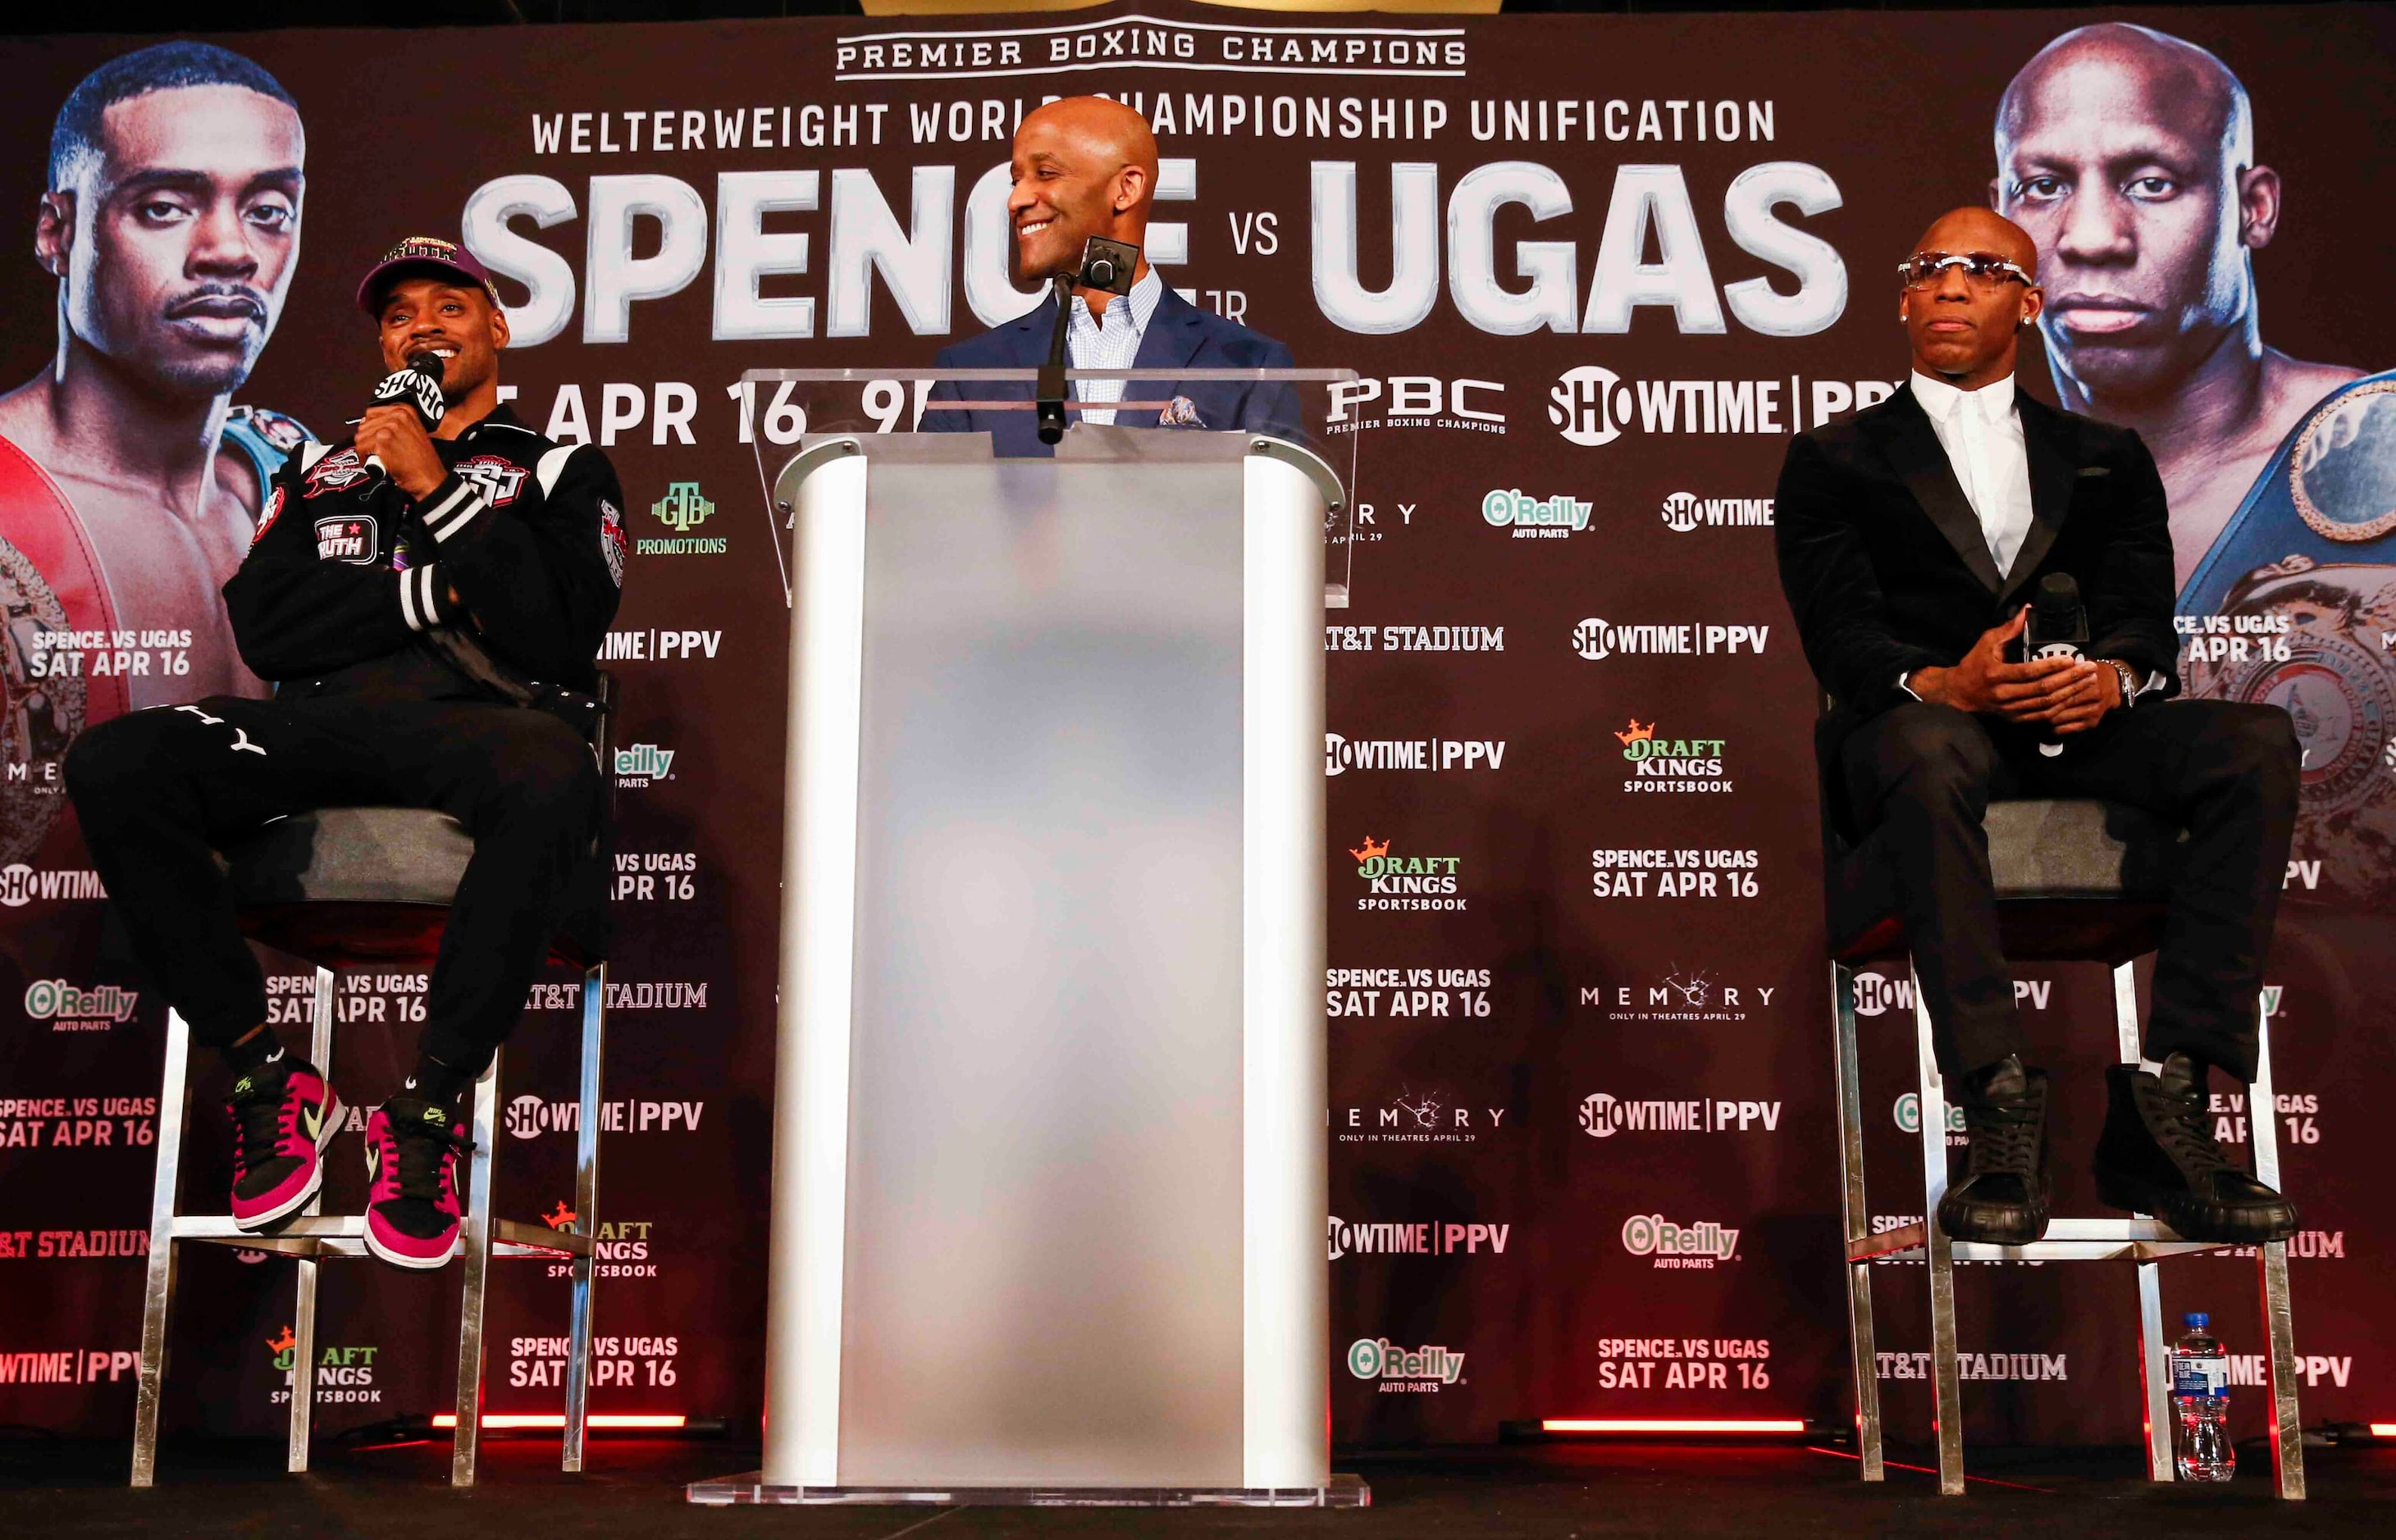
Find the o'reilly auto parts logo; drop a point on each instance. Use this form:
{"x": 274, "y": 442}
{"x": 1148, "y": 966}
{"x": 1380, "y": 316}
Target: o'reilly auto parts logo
{"x": 1431, "y": 1368}
{"x": 1597, "y": 639}
{"x": 1551, "y": 518}
{"x": 1686, "y": 511}
{"x": 1593, "y": 405}
{"x": 1702, "y": 1244}
{"x": 1603, "y": 1115}
{"x": 71, "y": 1009}
{"x": 642, "y": 763}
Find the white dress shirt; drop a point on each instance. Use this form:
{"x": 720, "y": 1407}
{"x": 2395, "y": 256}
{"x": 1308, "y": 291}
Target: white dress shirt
{"x": 1109, "y": 340}
{"x": 1982, "y": 435}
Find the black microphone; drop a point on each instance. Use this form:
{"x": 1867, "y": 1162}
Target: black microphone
{"x": 2058, "y": 628}
{"x": 1107, "y": 267}
{"x": 419, "y": 385}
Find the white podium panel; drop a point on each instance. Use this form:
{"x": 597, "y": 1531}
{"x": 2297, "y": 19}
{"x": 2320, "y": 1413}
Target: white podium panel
{"x": 1050, "y": 1173}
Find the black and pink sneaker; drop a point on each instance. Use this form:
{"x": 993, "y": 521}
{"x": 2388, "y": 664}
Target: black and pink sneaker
{"x": 413, "y": 1211}
{"x": 284, "y": 1115}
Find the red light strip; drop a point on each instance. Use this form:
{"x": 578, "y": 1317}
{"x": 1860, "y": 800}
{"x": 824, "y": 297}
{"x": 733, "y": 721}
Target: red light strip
{"x": 2383, "y": 1430}
{"x": 557, "y": 1419}
{"x": 1672, "y": 1425}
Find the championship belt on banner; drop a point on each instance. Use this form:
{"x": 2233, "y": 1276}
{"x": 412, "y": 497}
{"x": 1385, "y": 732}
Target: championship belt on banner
{"x": 52, "y": 587}
{"x": 2316, "y": 618}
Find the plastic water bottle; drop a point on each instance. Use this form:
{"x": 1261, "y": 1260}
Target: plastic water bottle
{"x": 2200, "y": 1379}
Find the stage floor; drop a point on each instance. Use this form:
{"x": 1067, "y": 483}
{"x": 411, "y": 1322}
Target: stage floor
{"x": 634, "y": 1491}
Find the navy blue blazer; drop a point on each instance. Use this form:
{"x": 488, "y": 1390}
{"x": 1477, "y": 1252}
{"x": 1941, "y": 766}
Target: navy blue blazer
{"x": 1178, "y": 334}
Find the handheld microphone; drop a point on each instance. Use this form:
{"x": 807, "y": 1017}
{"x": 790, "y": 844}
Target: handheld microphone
{"x": 419, "y": 385}
{"x": 2058, "y": 628}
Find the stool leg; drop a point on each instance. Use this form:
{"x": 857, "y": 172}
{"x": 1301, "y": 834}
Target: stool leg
{"x": 468, "y": 1446}
{"x": 586, "y": 1211}
{"x": 2154, "y": 1348}
{"x": 1939, "y": 1253}
{"x": 158, "y": 1287}
{"x": 304, "y": 1304}
{"x": 1855, "y": 1214}
{"x": 2278, "y": 1326}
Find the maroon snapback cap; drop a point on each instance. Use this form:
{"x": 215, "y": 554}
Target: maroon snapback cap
{"x": 427, "y": 253}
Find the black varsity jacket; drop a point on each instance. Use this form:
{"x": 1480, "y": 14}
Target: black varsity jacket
{"x": 346, "y": 575}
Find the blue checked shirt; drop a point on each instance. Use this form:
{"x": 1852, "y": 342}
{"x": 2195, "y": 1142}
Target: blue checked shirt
{"x": 1109, "y": 340}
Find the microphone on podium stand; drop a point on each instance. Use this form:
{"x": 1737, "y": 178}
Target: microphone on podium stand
{"x": 1107, "y": 267}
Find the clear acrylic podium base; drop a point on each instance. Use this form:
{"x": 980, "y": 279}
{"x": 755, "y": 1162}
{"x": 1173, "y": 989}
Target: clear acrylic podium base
{"x": 1341, "y": 1492}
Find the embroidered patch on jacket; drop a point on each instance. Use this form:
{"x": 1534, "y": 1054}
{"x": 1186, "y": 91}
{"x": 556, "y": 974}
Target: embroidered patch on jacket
{"x": 347, "y": 537}
{"x": 612, "y": 544}
{"x": 335, "y": 472}
{"x": 501, "y": 480}
{"x": 266, "y": 515}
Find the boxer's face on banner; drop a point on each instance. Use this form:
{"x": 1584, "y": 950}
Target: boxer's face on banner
{"x": 456, "y": 322}
{"x": 177, "y": 243}
{"x": 2116, "y": 170}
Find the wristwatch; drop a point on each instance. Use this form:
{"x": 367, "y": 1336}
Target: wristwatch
{"x": 2129, "y": 682}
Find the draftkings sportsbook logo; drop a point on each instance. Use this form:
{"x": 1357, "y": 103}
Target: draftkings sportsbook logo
{"x": 1406, "y": 881}
{"x": 342, "y": 1375}
{"x": 681, "y": 510}
{"x": 1671, "y": 764}
{"x": 1429, "y": 1369}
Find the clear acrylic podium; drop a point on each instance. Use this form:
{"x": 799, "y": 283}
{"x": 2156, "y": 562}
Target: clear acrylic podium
{"x": 1049, "y": 1186}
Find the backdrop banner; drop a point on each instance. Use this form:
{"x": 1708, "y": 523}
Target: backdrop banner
{"x": 1593, "y": 271}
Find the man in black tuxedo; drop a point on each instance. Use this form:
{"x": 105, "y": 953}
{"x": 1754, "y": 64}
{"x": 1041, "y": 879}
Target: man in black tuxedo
{"x": 1910, "y": 536}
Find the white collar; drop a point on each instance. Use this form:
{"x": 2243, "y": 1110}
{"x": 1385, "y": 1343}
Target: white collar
{"x": 1141, "y": 302}
{"x": 1942, "y": 401}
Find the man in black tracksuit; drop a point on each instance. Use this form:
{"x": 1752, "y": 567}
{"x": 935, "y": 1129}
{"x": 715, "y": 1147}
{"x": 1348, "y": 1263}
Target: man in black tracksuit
{"x": 407, "y": 592}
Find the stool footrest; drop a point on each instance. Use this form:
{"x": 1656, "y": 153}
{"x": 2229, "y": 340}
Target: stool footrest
{"x": 2067, "y": 1241}
{"x": 344, "y": 1235}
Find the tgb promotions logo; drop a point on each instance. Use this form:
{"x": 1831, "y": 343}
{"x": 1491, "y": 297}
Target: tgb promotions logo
{"x": 1429, "y": 1369}
{"x": 1671, "y": 764}
{"x": 1406, "y": 881}
{"x": 681, "y": 510}
{"x": 1703, "y": 1244}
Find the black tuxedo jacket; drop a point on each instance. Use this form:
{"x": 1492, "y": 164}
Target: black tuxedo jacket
{"x": 1888, "y": 570}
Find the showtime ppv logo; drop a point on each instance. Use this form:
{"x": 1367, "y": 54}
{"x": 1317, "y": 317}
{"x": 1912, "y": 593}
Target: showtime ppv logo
{"x": 1700, "y": 1245}
{"x": 1604, "y": 1115}
{"x": 1592, "y": 406}
{"x": 1422, "y": 1238}
{"x": 1342, "y": 754}
{"x": 1597, "y": 640}
{"x": 529, "y": 1117}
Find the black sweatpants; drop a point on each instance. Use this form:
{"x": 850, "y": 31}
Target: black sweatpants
{"x": 157, "y": 790}
{"x": 2225, "y": 772}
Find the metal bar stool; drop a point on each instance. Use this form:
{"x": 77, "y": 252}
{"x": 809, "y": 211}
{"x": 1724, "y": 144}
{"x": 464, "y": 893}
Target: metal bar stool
{"x": 2076, "y": 881}
{"x": 361, "y": 886}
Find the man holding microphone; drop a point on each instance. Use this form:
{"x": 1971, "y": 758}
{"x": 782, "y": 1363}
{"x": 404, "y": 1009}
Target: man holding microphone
{"x": 428, "y": 598}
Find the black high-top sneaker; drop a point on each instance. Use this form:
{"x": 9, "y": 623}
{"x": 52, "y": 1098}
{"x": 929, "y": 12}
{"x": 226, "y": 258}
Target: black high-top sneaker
{"x": 2157, "y": 1156}
{"x": 2005, "y": 1195}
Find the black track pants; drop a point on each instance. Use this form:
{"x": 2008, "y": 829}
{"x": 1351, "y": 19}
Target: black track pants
{"x": 158, "y": 789}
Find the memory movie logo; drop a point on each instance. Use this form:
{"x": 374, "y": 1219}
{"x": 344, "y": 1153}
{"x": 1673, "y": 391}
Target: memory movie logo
{"x": 1152, "y": 43}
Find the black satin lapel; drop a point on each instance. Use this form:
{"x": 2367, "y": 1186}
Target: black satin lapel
{"x": 2051, "y": 475}
{"x": 1916, "y": 453}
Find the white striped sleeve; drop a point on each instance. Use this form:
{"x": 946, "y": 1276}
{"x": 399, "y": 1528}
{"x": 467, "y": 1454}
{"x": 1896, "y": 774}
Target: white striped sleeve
{"x": 421, "y": 590}
{"x": 452, "y": 508}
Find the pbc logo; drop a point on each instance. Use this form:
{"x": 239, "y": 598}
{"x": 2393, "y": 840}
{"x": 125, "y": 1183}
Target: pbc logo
{"x": 342, "y": 539}
{"x": 335, "y": 472}
{"x": 499, "y": 479}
